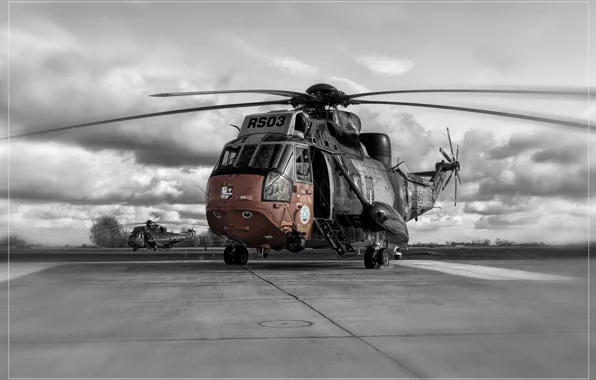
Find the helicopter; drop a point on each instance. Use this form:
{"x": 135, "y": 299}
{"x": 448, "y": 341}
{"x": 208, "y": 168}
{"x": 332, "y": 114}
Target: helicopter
{"x": 154, "y": 236}
{"x": 151, "y": 235}
{"x": 309, "y": 178}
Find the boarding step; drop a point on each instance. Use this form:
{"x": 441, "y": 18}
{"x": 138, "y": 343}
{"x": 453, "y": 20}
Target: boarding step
{"x": 335, "y": 236}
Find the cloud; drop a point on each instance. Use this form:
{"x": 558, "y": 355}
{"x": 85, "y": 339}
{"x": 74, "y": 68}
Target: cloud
{"x": 497, "y": 222}
{"x": 386, "y": 65}
{"x": 557, "y": 156}
{"x": 288, "y": 65}
{"x": 380, "y": 64}
{"x": 551, "y": 219}
{"x": 499, "y": 206}
{"x": 74, "y": 175}
{"x": 435, "y": 220}
{"x": 356, "y": 87}
{"x": 58, "y": 80}
{"x": 410, "y": 141}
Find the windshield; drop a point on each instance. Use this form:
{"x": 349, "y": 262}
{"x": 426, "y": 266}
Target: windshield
{"x": 257, "y": 158}
{"x": 228, "y": 156}
{"x": 267, "y": 155}
{"x": 246, "y": 155}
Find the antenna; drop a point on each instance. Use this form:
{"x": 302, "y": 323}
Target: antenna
{"x": 201, "y": 189}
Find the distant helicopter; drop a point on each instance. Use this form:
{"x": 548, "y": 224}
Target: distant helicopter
{"x": 154, "y": 236}
{"x": 308, "y": 178}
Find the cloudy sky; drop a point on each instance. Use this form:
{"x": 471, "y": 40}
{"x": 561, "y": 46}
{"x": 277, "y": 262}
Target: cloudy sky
{"x": 73, "y": 62}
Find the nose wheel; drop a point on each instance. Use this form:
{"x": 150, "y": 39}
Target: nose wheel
{"x": 375, "y": 259}
{"x": 235, "y": 254}
{"x": 228, "y": 255}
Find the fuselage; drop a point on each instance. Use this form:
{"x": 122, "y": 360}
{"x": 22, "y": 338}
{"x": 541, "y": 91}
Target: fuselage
{"x": 271, "y": 181}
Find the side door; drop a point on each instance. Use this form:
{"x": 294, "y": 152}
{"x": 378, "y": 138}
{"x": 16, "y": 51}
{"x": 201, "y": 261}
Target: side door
{"x": 302, "y": 196}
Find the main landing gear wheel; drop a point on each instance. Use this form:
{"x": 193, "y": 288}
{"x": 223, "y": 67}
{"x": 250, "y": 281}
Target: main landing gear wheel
{"x": 228, "y": 255}
{"x": 370, "y": 259}
{"x": 374, "y": 259}
{"x": 241, "y": 255}
{"x": 383, "y": 257}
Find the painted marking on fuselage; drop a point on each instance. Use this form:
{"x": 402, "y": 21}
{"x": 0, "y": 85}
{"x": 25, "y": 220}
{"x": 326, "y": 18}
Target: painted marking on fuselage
{"x": 479, "y": 271}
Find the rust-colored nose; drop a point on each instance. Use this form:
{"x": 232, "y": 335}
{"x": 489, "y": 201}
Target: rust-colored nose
{"x": 235, "y": 209}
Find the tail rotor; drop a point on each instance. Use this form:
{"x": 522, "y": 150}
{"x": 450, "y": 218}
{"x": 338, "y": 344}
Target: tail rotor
{"x": 454, "y": 160}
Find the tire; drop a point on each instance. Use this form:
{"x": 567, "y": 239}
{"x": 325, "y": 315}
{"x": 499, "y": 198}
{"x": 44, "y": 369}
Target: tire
{"x": 228, "y": 255}
{"x": 241, "y": 255}
{"x": 383, "y": 257}
{"x": 370, "y": 260}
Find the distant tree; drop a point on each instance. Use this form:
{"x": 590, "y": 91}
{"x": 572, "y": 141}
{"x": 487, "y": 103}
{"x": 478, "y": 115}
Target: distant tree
{"x": 217, "y": 241}
{"x": 122, "y": 238}
{"x": 13, "y": 241}
{"x": 106, "y": 231}
{"x": 205, "y": 239}
{"x": 486, "y": 242}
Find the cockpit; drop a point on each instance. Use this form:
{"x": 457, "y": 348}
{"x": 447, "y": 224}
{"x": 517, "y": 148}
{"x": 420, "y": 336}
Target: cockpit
{"x": 255, "y": 158}
{"x": 282, "y": 163}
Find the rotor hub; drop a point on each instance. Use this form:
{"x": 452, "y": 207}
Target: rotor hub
{"x": 323, "y": 89}
{"x": 324, "y": 95}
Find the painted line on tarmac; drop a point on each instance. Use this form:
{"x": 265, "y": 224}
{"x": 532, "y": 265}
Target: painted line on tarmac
{"x": 479, "y": 271}
{"x": 15, "y": 270}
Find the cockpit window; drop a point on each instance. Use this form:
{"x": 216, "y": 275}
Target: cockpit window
{"x": 303, "y": 168}
{"x": 286, "y": 160}
{"x": 266, "y": 156}
{"x": 262, "y": 157}
{"x": 228, "y": 156}
{"x": 246, "y": 155}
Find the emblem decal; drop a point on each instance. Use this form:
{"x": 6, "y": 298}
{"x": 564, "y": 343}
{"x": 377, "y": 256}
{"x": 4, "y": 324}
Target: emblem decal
{"x": 304, "y": 214}
{"x": 226, "y": 192}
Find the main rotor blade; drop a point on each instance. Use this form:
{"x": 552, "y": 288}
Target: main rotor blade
{"x": 173, "y": 112}
{"x": 562, "y": 92}
{"x": 482, "y": 111}
{"x": 267, "y": 92}
{"x": 450, "y": 144}
{"x": 457, "y": 154}
{"x": 199, "y": 223}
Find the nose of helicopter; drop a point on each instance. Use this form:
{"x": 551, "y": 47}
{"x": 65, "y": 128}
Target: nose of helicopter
{"x": 234, "y": 209}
